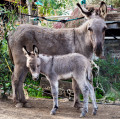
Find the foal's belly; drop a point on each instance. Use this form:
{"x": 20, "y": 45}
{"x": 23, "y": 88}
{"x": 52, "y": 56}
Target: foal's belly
{"x": 65, "y": 76}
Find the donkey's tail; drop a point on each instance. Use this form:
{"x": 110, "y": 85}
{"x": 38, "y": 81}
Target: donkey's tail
{"x": 9, "y": 50}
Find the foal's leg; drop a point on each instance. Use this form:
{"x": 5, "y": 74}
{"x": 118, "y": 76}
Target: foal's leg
{"x": 76, "y": 90}
{"x": 93, "y": 98}
{"x": 54, "y": 89}
{"x": 18, "y": 78}
{"x": 85, "y": 91}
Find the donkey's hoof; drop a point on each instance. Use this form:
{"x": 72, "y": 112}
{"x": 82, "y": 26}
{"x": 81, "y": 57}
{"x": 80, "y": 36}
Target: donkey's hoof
{"x": 27, "y": 105}
{"x": 77, "y": 105}
{"x": 19, "y": 105}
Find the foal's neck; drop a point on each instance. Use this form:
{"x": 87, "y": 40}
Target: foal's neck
{"x": 46, "y": 63}
{"x": 45, "y": 57}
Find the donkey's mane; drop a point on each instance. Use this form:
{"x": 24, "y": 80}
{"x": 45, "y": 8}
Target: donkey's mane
{"x": 83, "y": 27}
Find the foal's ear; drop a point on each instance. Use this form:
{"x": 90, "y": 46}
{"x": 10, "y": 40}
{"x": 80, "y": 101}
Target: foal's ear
{"x": 35, "y": 50}
{"x": 102, "y": 10}
{"x": 85, "y": 12}
{"x": 25, "y": 51}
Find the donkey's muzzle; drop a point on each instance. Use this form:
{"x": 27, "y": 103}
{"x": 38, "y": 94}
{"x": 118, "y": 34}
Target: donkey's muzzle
{"x": 98, "y": 49}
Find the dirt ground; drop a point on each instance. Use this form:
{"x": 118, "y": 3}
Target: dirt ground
{"x": 41, "y": 110}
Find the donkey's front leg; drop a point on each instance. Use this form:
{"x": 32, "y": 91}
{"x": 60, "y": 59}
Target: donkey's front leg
{"x": 54, "y": 89}
{"x": 18, "y": 78}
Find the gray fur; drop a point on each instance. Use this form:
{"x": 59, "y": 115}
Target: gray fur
{"x": 71, "y": 65}
{"x": 53, "y": 42}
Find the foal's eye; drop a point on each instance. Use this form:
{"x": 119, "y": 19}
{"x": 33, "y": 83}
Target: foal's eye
{"x": 90, "y": 29}
{"x": 31, "y": 65}
{"x": 38, "y": 65}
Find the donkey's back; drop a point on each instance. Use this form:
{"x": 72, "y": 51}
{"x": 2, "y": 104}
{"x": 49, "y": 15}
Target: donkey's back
{"x": 48, "y": 40}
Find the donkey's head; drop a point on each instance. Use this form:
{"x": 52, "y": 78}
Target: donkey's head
{"x": 96, "y": 26}
{"x": 33, "y": 61}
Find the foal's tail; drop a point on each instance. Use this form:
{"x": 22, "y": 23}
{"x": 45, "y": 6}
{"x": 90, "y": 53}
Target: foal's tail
{"x": 89, "y": 74}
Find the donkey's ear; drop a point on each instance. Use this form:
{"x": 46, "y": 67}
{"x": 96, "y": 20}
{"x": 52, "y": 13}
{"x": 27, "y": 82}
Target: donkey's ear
{"x": 25, "y": 51}
{"x": 35, "y": 50}
{"x": 103, "y": 10}
{"x": 85, "y": 12}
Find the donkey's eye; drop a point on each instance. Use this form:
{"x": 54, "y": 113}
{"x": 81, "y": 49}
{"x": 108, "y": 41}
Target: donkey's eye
{"x": 90, "y": 29}
{"x": 105, "y": 28}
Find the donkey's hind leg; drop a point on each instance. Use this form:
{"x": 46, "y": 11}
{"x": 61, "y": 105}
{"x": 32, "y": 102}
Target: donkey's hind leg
{"x": 18, "y": 78}
{"x": 54, "y": 89}
{"x": 77, "y": 91}
{"x": 93, "y": 98}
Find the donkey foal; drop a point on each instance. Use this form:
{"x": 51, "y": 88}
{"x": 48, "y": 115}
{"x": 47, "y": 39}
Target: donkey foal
{"x": 63, "y": 67}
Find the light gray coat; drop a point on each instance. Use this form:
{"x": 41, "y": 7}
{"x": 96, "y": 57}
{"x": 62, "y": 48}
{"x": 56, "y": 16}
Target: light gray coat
{"x": 71, "y": 65}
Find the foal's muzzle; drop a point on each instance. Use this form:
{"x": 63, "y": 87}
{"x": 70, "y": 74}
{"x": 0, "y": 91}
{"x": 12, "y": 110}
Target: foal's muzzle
{"x": 35, "y": 78}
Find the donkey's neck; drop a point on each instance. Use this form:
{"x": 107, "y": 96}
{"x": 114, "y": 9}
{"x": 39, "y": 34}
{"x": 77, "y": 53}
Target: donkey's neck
{"x": 83, "y": 43}
{"x": 83, "y": 28}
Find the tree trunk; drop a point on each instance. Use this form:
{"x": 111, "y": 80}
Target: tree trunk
{"x": 29, "y": 4}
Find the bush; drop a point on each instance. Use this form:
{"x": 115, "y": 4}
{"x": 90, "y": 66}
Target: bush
{"x": 5, "y": 72}
{"x": 33, "y": 87}
{"x": 107, "y": 83}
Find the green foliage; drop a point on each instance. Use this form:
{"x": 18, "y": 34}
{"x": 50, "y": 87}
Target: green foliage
{"x": 5, "y": 62}
{"x": 108, "y": 82}
{"x": 116, "y": 3}
{"x": 22, "y": 9}
{"x": 33, "y": 87}
{"x": 55, "y": 7}
{"x": 5, "y": 73}
{"x": 49, "y": 6}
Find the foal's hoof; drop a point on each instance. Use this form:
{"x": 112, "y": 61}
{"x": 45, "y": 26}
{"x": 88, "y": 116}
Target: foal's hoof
{"x": 82, "y": 115}
{"x": 19, "y": 105}
{"x": 27, "y": 105}
{"x": 95, "y": 111}
{"x": 53, "y": 112}
{"x": 84, "y": 111}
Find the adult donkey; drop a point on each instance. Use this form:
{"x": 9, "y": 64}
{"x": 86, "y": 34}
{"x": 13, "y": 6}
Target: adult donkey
{"x": 86, "y": 39}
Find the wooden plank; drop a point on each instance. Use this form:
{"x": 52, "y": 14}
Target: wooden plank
{"x": 111, "y": 38}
